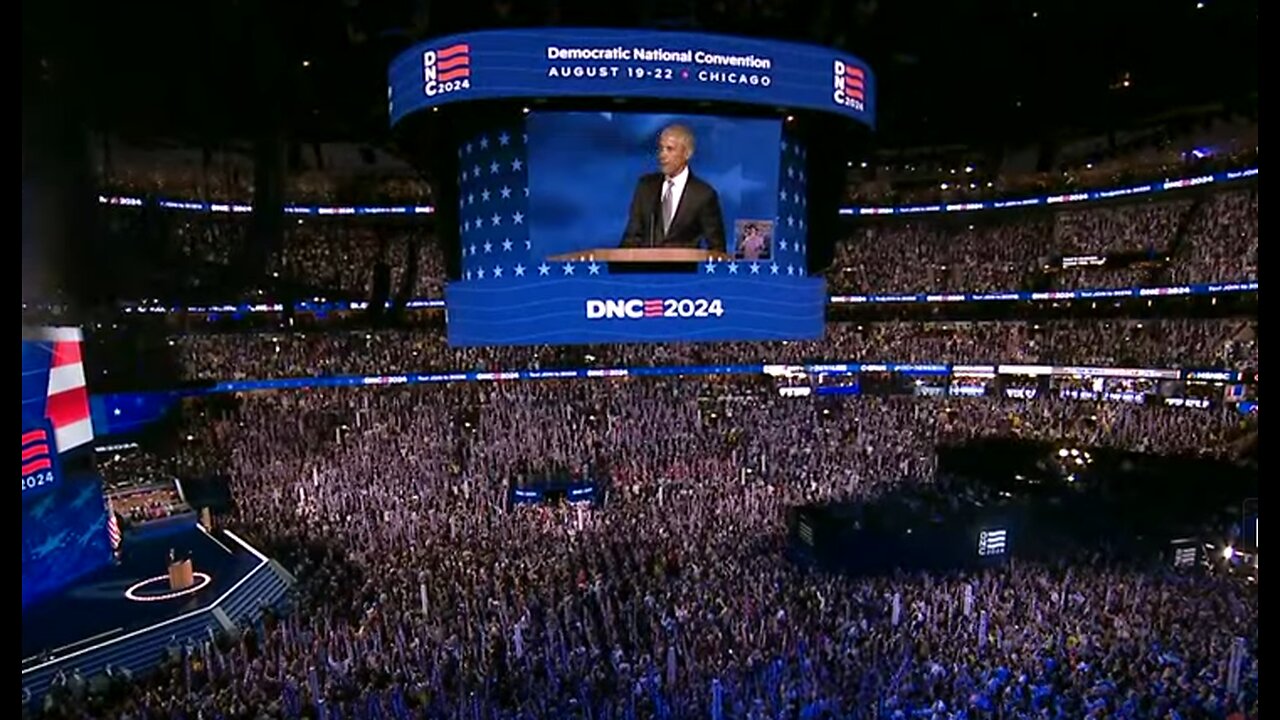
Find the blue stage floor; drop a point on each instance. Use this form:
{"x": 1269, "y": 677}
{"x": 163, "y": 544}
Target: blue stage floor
{"x": 95, "y": 608}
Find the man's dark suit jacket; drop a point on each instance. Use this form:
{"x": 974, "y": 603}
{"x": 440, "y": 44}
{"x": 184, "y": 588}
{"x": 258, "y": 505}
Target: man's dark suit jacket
{"x": 697, "y": 216}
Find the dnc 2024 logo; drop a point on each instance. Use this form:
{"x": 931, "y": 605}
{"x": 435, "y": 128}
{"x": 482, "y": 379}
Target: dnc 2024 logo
{"x": 850, "y": 86}
{"x": 39, "y": 457}
{"x": 446, "y": 70}
{"x": 639, "y": 308}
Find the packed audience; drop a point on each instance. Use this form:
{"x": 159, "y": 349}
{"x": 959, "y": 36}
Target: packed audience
{"x": 1214, "y": 240}
{"x": 1188, "y": 240}
{"x": 422, "y": 594}
{"x": 233, "y": 183}
{"x": 1167, "y": 343}
{"x": 140, "y": 485}
{"x": 343, "y": 259}
{"x": 1222, "y": 240}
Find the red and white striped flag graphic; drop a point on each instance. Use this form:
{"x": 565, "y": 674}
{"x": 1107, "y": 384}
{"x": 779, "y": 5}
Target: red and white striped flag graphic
{"x": 113, "y": 526}
{"x": 68, "y": 397}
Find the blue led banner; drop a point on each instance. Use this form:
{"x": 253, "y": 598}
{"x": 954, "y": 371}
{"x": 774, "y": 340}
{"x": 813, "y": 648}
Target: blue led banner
{"x": 712, "y": 306}
{"x": 592, "y": 62}
{"x": 321, "y": 307}
{"x": 1052, "y": 200}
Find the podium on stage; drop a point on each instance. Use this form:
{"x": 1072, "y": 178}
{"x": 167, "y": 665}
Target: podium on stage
{"x": 644, "y": 259}
{"x": 181, "y": 576}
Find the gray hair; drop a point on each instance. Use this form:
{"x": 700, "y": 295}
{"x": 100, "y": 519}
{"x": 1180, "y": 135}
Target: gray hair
{"x": 682, "y": 132}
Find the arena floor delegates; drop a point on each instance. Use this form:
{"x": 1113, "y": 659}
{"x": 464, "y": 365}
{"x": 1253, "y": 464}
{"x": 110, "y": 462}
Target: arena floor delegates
{"x": 421, "y": 594}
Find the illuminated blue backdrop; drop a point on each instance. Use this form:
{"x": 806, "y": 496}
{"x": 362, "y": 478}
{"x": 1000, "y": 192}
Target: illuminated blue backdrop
{"x": 583, "y": 169}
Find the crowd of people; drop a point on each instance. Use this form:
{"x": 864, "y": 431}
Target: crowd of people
{"x": 1165, "y": 343}
{"x": 343, "y": 258}
{"x": 1222, "y": 240}
{"x": 140, "y": 486}
{"x": 1148, "y": 242}
{"x": 921, "y": 182}
{"x": 422, "y": 593}
{"x": 233, "y": 183}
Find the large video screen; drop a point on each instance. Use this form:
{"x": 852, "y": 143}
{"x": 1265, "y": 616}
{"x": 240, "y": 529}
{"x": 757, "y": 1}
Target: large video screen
{"x": 600, "y": 182}
{"x": 540, "y": 198}
{"x": 598, "y": 62}
{"x": 64, "y": 515}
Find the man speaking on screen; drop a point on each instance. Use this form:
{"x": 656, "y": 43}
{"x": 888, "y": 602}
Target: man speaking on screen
{"x": 674, "y": 207}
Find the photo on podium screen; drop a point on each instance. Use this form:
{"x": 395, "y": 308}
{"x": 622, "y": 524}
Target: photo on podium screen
{"x": 601, "y": 180}
{"x": 753, "y": 239}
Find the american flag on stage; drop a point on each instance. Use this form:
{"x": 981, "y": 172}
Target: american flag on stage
{"x": 493, "y": 203}
{"x": 113, "y": 526}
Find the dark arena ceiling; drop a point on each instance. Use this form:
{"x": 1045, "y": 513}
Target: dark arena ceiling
{"x": 973, "y": 72}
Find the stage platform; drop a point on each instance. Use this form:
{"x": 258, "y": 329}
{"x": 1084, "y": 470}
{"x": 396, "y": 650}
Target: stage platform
{"x": 125, "y": 615}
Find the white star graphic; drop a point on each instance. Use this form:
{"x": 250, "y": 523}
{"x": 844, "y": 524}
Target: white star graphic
{"x": 593, "y": 269}
{"x": 755, "y": 268}
{"x": 567, "y": 268}
{"x": 518, "y": 218}
{"x": 506, "y": 245}
{"x": 484, "y": 196}
{"x": 782, "y": 244}
{"x": 466, "y": 225}
{"x": 459, "y": 152}
{"x": 543, "y": 269}
{"x": 468, "y": 148}
{"x": 733, "y": 268}
{"x": 528, "y": 244}
{"x": 526, "y": 191}
{"x": 790, "y": 221}
{"x": 480, "y": 273}
{"x": 471, "y": 198}
{"x": 464, "y": 175}
{"x": 479, "y": 222}
{"x": 796, "y": 196}
{"x": 496, "y": 219}
{"x": 468, "y": 275}
{"x": 784, "y": 146}
{"x": 801, "y": 178}
{"x": 504, "y": 138}
{"x": 497, "y": 271}
{"x": 791, "y": 172}
{"x": 473, "y": 248}
{"x": 773, "y": 269}
{"x": 791, "y": 270}
{"x": 516, "y": 165}
{"x": 488, "y": 246}
{"x": 524, "y": 137}
{"x": 484, "y": 143}
{"x": 506, "y": 192}
{"x": 519, "y": 270}
{"x": 493, "y": 168}
{"x": 782, "y": 195}
{"x": 800, "y": 223}
{"x": 711, "y": 268}
{"x": 475, "y": 171}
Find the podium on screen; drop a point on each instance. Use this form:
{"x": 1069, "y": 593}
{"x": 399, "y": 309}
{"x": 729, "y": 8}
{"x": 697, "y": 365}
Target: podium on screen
{"x": 645, "y": 259}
